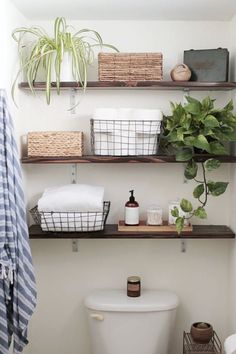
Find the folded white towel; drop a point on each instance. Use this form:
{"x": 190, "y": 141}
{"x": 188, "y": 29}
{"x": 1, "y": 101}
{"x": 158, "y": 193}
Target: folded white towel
{"x": 72, "y": 197}
{"x": 105, "y": 113}
{"x": 127, "y": 114}
{"x": 147, "y": 114}
{"x": 124, "y": 113}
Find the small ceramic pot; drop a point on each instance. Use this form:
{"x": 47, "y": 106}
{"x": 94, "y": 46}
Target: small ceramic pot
{"x": 180, "y": 72}
{"x": 201, "y": 332}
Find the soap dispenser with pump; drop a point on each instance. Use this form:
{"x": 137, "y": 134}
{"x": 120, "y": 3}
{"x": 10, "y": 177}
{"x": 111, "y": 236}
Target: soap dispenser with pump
{"x": 132, "y": 210}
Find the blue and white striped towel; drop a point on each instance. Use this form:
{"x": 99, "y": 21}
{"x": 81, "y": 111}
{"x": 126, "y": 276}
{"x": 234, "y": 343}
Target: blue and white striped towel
{"x": 17, "y": 281}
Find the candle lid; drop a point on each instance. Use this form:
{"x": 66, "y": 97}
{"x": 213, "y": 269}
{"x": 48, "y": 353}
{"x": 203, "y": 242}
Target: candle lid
{"x": 133, "y": 279}
{"x": 154, "y": 207}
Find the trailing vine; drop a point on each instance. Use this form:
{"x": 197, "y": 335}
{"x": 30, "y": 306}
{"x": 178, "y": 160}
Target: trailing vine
{"x": 204, "y": 189}
{"x": 194, "y": 128}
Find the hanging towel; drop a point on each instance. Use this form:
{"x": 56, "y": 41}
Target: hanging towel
{"x": 17, "y": 281}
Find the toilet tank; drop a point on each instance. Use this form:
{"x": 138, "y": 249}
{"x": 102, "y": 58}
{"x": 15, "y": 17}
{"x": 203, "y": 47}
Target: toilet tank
{"x": 123, "y": 325}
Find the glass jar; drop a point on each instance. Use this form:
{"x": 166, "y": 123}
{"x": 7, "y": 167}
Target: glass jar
{"x": 154, "y": 215}
{"x": 133, "y": 286}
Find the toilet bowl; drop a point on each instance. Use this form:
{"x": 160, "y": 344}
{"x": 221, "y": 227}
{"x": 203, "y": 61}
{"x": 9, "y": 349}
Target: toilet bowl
{"x": 123, "y": 325}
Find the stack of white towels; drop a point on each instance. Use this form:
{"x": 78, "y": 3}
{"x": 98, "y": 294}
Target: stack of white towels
{"x": 73, "y": 207}
{"x": 126, "y": 131}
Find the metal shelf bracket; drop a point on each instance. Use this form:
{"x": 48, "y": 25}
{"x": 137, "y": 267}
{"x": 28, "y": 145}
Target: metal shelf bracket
{"x": 75, "y": 243}
{"x": 74, "y": 173}
{"x": 183, "y": 246}
{"x": 73, "y": 101}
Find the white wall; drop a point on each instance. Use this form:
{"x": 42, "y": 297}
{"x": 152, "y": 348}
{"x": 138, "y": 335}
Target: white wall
{"x": 199, "y": 277}
{"x": 10, "y": 18}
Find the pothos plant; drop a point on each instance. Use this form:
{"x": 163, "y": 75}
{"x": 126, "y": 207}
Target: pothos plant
{"x": 198, "y": 127}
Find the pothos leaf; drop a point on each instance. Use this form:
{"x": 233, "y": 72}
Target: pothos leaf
{"x": 200, "y": 212}
{"x": 198, "y": 191}
{"x": 184, "y": 154}
{"x": 179, "y": 223}
{"x": 217, "y": 188}
{"x": 212, "y": 164}
{"x": 190, "y": 171}
{"x": 186, "y": 206}
{"x": 175, "y": 212}
{"x": 201, "y": 142}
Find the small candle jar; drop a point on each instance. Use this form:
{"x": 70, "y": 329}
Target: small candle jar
{"x": 154, "y": 215}
{"x": 134, "y": 286}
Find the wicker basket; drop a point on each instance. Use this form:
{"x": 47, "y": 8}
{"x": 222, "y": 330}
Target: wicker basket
{"x": 52, "y": 144}
{"x": 130, "y": 66}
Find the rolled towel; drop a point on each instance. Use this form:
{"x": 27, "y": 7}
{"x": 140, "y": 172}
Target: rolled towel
{"x": 72, "y": 197}
{"x": 105, "y": 114}
{"x": 124, "y": 113}
{"x": 147, "y": 114}
{"x": 230, "y": 344}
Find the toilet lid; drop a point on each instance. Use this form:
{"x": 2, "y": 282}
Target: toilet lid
{"x": 117, "y": 300}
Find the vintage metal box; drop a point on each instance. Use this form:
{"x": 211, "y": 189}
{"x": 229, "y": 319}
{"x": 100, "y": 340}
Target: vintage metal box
{"x": 210, "y": 65}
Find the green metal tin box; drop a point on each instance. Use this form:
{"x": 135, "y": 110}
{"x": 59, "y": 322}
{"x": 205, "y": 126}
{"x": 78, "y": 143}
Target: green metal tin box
{"x": 211, "y": 65}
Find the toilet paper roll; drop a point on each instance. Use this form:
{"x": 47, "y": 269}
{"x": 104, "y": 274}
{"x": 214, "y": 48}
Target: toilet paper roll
{"x": 230, "y": 344}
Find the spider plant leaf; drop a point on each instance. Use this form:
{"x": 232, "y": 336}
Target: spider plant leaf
{"x": 107, "y": 46}
{"x": 86, "y": 30}
{"x": 48, "y": 78}
{"x": 59, "y": 27}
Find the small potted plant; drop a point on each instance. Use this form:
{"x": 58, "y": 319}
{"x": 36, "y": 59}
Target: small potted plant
{"x": 201, "y": 332}
{"x": 198, "y": 125}
{"x": 39, "y": 52}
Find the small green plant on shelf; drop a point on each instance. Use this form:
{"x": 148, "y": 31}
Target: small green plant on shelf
{"x": 198, "y": 127}
{"x": 39, "y": 51}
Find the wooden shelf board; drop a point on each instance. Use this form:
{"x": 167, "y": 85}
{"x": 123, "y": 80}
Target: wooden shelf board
{"x": 151, "y": 85}
{"x": 119, "y": 159}
{"x": 111, "y": 232}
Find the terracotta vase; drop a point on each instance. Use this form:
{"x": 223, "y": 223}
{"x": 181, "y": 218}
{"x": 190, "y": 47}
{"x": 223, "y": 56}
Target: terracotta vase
{"x": 180, "y": 72}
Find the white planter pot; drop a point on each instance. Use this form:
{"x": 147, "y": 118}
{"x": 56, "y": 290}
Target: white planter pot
{"x": 66, "y": 69}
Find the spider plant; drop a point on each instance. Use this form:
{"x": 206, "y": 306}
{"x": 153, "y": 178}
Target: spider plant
{"x": 45, "y": 52}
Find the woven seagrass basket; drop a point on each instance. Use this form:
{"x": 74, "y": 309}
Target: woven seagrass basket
{"x": 130, "y": 66}
{"x": 53, "y": 144}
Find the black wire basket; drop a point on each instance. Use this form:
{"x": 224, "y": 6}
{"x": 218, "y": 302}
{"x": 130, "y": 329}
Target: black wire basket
{"x": 71, "y": 221}
{"x": 125, "y": 137}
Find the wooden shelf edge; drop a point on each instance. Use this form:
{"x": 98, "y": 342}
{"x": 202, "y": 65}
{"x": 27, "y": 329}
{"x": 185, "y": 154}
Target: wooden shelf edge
{"x": 120, "y": 159}
{"x": 153, "y": 85}
{"x": 111, "y": 232}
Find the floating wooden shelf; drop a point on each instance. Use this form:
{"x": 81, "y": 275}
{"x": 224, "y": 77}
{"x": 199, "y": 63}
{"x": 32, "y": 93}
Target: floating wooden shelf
{"x": 151, "y": 85}
{"x": 119, "y": 159}
{"x": 111, "y": 232}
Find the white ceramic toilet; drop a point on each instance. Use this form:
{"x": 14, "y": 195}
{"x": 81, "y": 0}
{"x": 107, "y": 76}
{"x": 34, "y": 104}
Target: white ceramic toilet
{"x": 123, "y": 325}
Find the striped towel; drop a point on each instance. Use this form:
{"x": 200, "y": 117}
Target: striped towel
{"x": 17, "y": 281}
